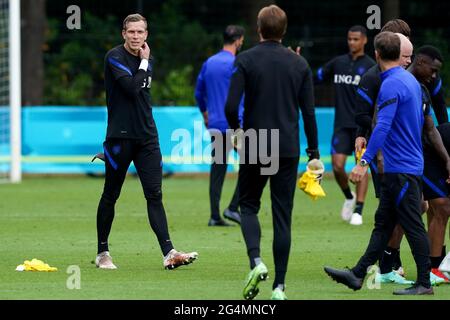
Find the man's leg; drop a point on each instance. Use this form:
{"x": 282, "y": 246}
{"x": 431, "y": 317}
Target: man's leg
{"x": 216, "y": 179}
{"x": 338, "y": 161}
{"x": 408, "y": 207}
{"x": 117, "y": 160}
{"x": 252, "y": 184}
{"x": 148, "y": 162}
{"x": 385, "y": 221}
{"x": 232, "y": 211}
{"x": 436, "y": 191}
{"x": 391, "y": 251}
{"x": 234, "y": 203}
{"x": 361, "y": 191}
{"x": 282, "y": 190}
{"x": 217, "y": 175}
{"x": 437, "y": 228}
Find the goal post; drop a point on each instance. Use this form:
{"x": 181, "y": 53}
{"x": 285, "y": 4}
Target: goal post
{"x": 15, "y": 96}
{"x": 10, "y": 92}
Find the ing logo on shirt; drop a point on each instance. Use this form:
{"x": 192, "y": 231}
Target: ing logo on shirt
{"x": 147, "y": 83}
{"x": 347, "y": 79}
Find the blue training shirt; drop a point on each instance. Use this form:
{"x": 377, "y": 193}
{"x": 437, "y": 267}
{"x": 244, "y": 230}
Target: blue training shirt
{"x": 398, "y": 132}
{"x": 212, "y": 87}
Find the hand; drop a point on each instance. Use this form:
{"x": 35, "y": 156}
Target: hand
{"x": 144, "y": 52}
{"x": 312, "y": 154}
{"x": 236, "y": 139}
{"x": 360, "y": 143}
{"x": 297, "y": 50}
{"x": 447, "y": 166}
{"x": 358, "y": 173}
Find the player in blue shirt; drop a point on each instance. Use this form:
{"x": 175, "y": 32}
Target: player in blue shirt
{"x": 398, "y": 133}
{"x": 211, "y": 93}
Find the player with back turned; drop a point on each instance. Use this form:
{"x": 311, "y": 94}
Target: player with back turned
{"x": 276, "y": 82}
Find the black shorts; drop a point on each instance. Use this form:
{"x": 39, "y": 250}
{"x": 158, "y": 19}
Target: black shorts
{"x": 146, "y": 156}
{"x": 343, "y": 141}
{"x": 434, "y": 176}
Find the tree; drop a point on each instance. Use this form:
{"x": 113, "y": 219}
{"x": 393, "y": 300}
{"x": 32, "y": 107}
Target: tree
{"x": 33, "y": 39}
{"x": 253, "y": 7}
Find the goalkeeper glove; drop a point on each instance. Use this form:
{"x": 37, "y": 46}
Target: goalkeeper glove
{"x": 312, "y": 154}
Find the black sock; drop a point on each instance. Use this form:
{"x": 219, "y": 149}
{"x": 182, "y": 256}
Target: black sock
{"x": 397, "y": 261}
{"x": 359, "y": 207}
{"x": 102, "y": 246}
{"x": 387, "y": 260}
{"x": 435, "y": 262}
{"x": 105, "y": 217}
{"x": 444, "y": 251}
{"x": 279, "y": 279}
{"x": 348, "y": 193}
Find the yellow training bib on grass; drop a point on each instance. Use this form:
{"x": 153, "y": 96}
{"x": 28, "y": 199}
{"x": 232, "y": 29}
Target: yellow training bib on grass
{"x": 35, "y": 265}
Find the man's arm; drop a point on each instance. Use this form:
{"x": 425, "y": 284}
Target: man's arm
{"x": 200, "y": 94}
{"x": 324, "y": 73}
{"x": 438, "y": 102}
{"x": 235, "y": 92}
{"x": 387, "y": 107}
{"x": 306, "y": 101}
{"x": 131, "y": 84}
{"x": 436, "y": 140}
{"x": 200, "y": 90}
{"x": 366, "y": 96}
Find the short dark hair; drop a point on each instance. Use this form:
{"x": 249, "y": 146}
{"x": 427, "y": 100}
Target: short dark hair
{"x": 358, "y": 28}
{"x": 272, "y": 22}
{"x": 397, "y": 26}
{"x": 135, "y": 17}
{"x": 232, "y": 33}
{"x": 387, "y": 44}
{"x": 431, "y": 52}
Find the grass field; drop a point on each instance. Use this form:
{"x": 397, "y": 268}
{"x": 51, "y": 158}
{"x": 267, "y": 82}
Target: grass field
{"x": 53, "y": 219}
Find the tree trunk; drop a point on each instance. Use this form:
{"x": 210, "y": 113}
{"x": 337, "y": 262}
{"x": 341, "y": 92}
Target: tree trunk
{"x": 33, "y": 38}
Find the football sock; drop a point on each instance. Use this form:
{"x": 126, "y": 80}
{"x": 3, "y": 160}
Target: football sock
{"x": 444, "y": 251}
{"x": 348, "y": 193}
{"x": 397, "y": 261}
{"x": 105, "y": 217}
{"x": 279, "y": 286}
{"x": 435, "y": 262}
{"x": 359, "y": 207}
{"x": 279, "y": 279}
{"x": 387, "y": 260}
{"x": 158, "y": 222}
{"x": 102, "y": 246}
